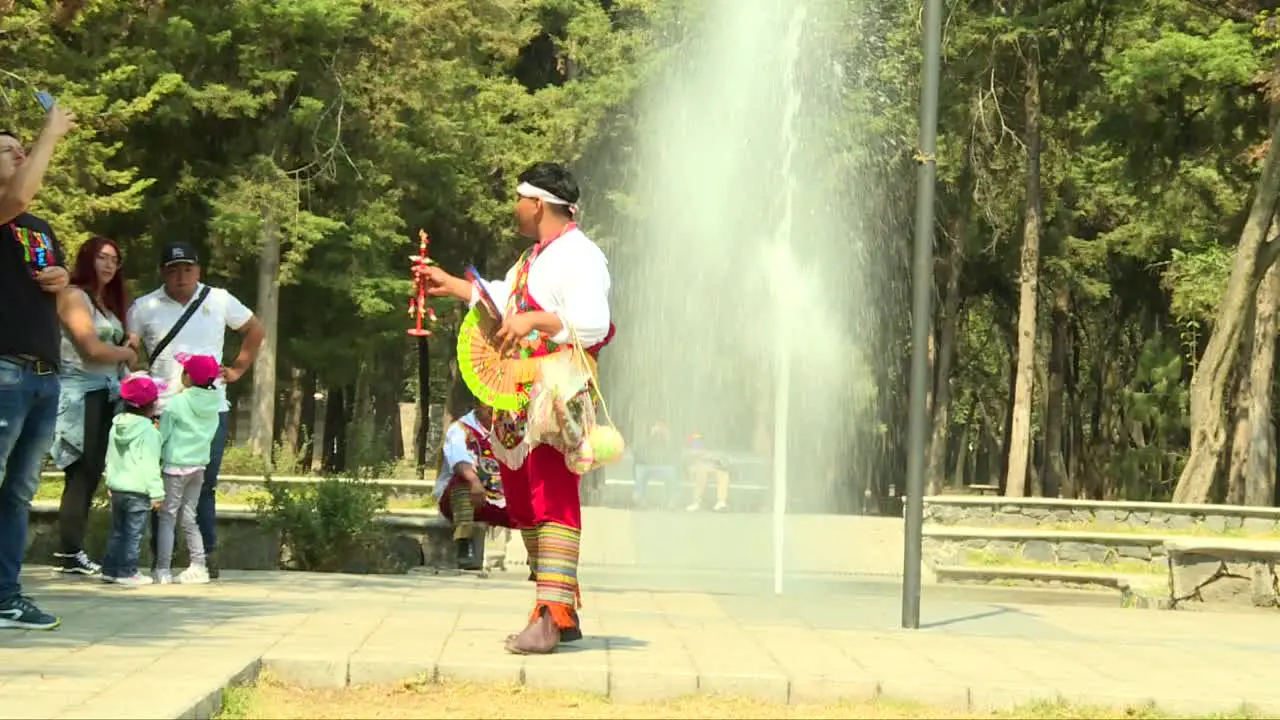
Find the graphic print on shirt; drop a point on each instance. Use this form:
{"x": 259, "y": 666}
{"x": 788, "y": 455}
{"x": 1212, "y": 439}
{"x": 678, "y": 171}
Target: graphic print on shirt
{"x": 110, "y": 334}
{"x": 37, "y": 248}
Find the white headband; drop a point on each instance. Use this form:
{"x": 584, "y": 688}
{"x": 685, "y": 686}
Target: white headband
{"x": 529, "y": 190}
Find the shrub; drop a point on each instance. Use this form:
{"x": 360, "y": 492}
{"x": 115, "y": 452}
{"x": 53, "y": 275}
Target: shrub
{"x": 240, "y": 460}
{"x": 327, "y": 526}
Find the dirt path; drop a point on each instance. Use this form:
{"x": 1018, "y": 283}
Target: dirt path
{"x": 271, "y": 699}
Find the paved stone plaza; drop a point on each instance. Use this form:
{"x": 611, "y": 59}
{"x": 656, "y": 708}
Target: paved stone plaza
{"x": 165, "y": 652}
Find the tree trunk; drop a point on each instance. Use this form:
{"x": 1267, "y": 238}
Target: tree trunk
{"x": 1055, "y": 417}
{"x": 1239, "y": 412}
{"x": 360, "y": 430}
{"x": 291, "y": 434}
{"x": 1075, "y": 418}
{"x": 937, "y": 459}
{"x": 1020, "y": 430}
{"x": 262, "y": 420}
{"x": 1254, "y": 257}
{"x": 397, "y": 450}
{"x": 1006, "y": 430}
{"x": 333, "y": 458}
{"x": 979, "y": 462}
{"x": 1260, "y": 469}
{"x": 309, "y": 437}
{"x": 960, "y": 471}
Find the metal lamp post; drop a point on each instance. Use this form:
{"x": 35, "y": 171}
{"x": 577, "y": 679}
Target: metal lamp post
{"x": 921, "y": 313}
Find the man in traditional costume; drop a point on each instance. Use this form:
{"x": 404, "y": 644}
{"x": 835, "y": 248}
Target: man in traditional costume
{"x": 469, "y": 489}
{"x": 556, "y": 295}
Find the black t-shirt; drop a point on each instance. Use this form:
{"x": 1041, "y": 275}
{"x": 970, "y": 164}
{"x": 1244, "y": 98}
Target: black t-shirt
{"x": 28, "y": 315}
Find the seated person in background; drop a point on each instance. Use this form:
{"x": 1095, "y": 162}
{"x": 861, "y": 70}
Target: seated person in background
{"x": 656, "y": 457}
{"x": 704, "y": 465}
{"x": 469, "y": 488}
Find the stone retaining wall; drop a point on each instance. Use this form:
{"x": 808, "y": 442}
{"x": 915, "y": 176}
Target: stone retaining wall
{"x": 1132, "y": 553}
{"x": 1224, "y": 572}
{"x": 243, "y": 544}
{"x": 394, "y": 489}
{"x": 1048, "y": 514}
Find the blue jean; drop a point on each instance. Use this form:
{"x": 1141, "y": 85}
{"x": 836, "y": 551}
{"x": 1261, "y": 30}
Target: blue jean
{"x": 128, "y": 520}
{"x": 28, "y": 414}
{"x": 206, "y": 508}
{"x": 668, "y": 474}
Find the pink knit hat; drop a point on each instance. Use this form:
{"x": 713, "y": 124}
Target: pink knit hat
{"x": 202, "y": 369}
{"x": 139, "y": 390}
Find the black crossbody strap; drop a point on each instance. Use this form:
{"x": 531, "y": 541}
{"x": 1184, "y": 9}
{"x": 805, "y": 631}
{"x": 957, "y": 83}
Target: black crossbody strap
{"x": 182, "y": 322}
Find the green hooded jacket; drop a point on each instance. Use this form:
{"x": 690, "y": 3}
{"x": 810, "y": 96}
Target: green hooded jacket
{"x": 187, "y": 427}
{"x": 133, "y": 456}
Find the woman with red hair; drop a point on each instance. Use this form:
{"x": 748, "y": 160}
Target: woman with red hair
{"x": 93, "y": 360}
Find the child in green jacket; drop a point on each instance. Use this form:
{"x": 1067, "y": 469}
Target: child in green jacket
{"x": 187, "y": 427}
{"x": 133, "y": 479}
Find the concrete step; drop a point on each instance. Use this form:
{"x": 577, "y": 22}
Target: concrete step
{"x": 1042, "y": 576}
{"x": 1142, "y": 591}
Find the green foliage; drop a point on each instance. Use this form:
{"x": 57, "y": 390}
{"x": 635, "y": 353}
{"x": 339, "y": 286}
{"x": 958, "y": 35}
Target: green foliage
{"x": 344, "y": 126}
{"x": 1195, "y": 281}
{"x": 286, "y": 461}
{"x": 241, "y": 460}
{"x": 1155, "y": 405}
{"x": 1155, "y": 116}
{"x": 325, "y": 526}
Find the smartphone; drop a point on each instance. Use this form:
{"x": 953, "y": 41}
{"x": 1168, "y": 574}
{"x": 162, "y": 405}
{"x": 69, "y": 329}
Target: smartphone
{"x": 45, "y": 100}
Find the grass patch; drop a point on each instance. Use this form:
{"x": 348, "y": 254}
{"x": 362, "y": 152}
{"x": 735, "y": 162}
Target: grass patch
{"x": 237, "y": 702}
{"x": 424, "y": 699}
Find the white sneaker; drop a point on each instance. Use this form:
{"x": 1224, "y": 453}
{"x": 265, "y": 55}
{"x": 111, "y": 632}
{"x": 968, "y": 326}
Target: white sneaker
{"x": 164, "y": 577}
{"x": 720, "y": 507}
{"x": 194, "y": 575}
{"x": 134, "y": 580}
{"x": 694, "y": 507}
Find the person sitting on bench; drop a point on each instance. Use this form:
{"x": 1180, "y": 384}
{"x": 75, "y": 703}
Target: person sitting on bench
{"x": 704, "y": 465}
{"x": 469, "y": 489}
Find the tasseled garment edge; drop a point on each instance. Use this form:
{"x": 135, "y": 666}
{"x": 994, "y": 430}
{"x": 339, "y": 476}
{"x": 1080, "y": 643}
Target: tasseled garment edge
{"x": 561, "y": 614}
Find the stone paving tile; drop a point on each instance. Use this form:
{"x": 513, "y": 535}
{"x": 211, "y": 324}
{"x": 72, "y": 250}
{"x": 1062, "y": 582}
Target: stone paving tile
{"x": 583, "y": 666}
{"x": 641, "y": 645}
{"x": 413, "y": 652}
{"x": 26, "y": 705}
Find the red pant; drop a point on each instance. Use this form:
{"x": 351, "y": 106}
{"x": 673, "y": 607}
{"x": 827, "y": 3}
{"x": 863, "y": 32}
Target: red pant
{"x": 487, "y": 513}
{"x": 542, "y": 490}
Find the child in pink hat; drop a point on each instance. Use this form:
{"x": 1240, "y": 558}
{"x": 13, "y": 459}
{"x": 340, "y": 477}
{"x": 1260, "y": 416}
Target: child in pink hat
{"x": 133, "y": 479}
{"x": 187, "y": 427}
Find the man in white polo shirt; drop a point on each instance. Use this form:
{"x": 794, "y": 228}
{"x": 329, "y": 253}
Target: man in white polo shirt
{"x": 153, "y": 317}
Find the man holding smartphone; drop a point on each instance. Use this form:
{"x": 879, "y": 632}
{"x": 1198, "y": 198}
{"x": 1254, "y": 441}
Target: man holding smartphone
{"x": 32, "y": 272}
